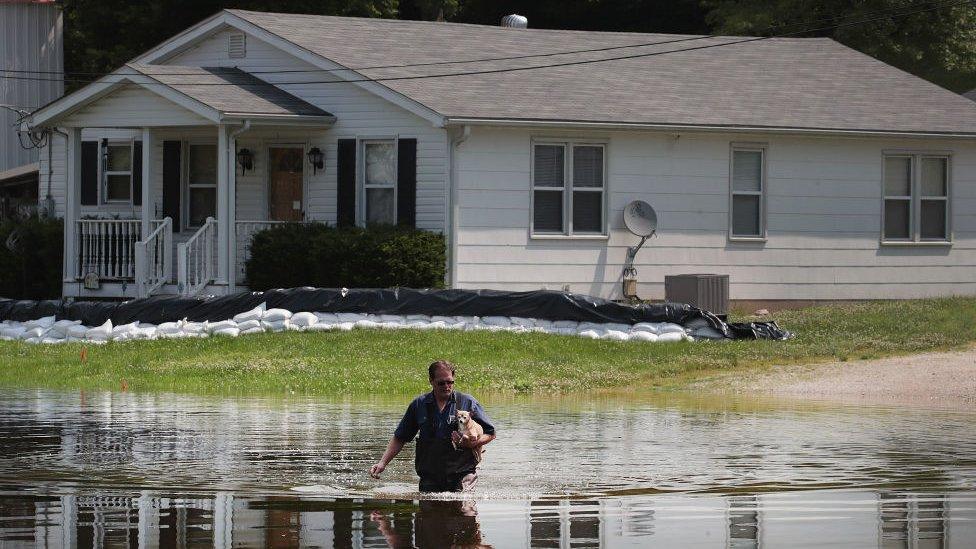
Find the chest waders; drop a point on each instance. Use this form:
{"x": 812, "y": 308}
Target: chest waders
{"x": 439, "y": 466}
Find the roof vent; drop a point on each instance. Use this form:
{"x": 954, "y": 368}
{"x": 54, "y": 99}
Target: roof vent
{"x": 515, "y": 21}
{"x": 236, "y": 46}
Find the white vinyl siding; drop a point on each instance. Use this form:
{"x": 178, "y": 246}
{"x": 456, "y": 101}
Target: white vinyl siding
{"x": 916, "y": 198}
{"x": 748, "y": 191}
{"x": 568, "y": 188}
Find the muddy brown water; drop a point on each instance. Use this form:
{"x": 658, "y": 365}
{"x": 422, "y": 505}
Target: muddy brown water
{"x": 119, "y": 469}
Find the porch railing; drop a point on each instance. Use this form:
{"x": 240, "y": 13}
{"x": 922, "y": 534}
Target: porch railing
{"x": 106, "y": 247}
{"x": 197, "y": 259}
{"x": 154, "y": 258}
{"x": 244, "y": 233}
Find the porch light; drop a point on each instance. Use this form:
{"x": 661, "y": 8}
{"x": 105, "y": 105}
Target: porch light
{"x": 316, "y": 159}
{"x": 245, "y": 159}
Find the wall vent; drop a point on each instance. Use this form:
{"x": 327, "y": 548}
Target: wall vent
{"x": 236, "y": 46}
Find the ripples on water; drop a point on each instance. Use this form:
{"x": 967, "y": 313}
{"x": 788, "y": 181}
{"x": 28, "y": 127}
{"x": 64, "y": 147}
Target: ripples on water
{"x": 103, "y": 469}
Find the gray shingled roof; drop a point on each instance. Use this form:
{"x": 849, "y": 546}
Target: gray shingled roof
{"x": 237, "y": 93}
{"x": 811, "y": 83}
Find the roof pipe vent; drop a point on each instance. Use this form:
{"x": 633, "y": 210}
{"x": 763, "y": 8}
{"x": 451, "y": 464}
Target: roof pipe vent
{"x": 515, "y": 21}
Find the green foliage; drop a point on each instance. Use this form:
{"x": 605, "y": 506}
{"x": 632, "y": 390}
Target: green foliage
{"x": 315, "y": 254}
{"x": 938, "y": 44}
{"x": 32, "y": 270}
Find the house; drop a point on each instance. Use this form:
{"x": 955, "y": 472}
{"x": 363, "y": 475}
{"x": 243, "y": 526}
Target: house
{"x": 801, "y": 168}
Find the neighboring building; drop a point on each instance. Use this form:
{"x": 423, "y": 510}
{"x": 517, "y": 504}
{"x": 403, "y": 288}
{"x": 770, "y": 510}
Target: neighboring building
{"x": 801, "y": 168}
{"x": 31, "y": 65}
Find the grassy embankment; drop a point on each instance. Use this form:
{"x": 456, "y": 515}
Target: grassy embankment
{"x": 394, "y": 362}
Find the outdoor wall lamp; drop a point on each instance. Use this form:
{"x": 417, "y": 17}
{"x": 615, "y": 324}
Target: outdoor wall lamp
{"x": 316, "y": 159}
{"x": 245, "y": 159}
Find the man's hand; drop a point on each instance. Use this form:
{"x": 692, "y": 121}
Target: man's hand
{"x": 377, "y": 469}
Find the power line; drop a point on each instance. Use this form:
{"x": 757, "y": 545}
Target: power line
{"x": 512, "y": 69}
{"x": 516, "y": 57}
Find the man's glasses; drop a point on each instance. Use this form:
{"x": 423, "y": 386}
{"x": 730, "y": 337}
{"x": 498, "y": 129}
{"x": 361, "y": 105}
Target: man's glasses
{"x": 444, "y": 383}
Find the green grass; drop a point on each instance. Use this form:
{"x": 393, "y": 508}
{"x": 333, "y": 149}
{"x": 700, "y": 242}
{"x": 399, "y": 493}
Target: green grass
{"x": 394, "y": 362}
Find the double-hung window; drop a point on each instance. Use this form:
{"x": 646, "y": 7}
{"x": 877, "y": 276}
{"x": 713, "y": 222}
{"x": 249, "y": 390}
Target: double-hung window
{"x": 379, "y": 204}
{"x": 916, "y": 198}
{"x": 748, "y": 189}
{"x": 117, "y": 172}
{"x": 201, "y": 183}
{"x": 568, "y": 188}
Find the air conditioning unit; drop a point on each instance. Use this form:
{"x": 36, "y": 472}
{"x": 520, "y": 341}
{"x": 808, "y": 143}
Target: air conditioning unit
{"x": 705, "y": 291}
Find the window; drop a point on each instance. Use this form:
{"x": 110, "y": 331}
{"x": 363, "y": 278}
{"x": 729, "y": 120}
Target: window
{"x": 379, "y": 181}
{"x": 916, "y": 198}
{"x": 568, "y": 184}
{"x": 117, "y": 172}
{"x": 748, "y": 187}
{"x": 201, "y": 184}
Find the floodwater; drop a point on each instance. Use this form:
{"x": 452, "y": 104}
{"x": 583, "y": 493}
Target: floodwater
{"x": 81, "y": 469}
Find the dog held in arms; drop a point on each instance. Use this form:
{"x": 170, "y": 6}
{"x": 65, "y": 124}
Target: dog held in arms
{"x": 470, "y": 429}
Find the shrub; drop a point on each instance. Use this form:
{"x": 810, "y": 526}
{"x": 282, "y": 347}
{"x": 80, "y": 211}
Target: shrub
{"x": 315, "y": 254}
{"x": 33, "y": 269}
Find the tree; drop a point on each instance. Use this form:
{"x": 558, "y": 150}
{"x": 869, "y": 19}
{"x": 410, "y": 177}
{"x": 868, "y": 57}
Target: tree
{"x": 938, "y": 44}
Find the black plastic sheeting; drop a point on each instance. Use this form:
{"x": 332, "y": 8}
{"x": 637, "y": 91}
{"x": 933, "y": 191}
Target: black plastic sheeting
{"x": 544, "y": 304}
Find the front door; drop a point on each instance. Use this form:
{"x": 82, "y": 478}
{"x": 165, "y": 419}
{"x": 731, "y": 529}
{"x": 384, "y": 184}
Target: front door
{"x": 285, "y": 165}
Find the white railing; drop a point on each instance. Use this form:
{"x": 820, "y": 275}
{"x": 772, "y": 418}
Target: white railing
{"x": 154, "y": 258}
{"x": 244, "y": 233}
{"x": 197, "y": 259}
{"x": 106, "y": 247}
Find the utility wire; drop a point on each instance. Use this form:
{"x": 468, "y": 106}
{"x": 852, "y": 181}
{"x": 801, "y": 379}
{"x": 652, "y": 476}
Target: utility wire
{"x": 513, "y": 69}
{"x": 515, "y": 57}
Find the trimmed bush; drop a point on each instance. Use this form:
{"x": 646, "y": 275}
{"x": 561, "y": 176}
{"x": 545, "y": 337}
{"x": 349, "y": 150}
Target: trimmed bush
{"x": 316, "y": 254}
{"x": 32, "y": 270}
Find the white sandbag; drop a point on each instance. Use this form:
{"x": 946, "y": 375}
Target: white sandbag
{"x": 583, "y": 326}
{"x": 123, "y": 332}
{"x": 169, "y": 328}
{"x": 45, "y": 322}
{"x": 589, "y": 334}
{"x": 274, "y": 326}
{"x": 438, "y": 325}
{"x": 97, "y": 341}
{"x": 144, "y": 331}
{"x": 416, "y": 318}
{"x": 247, "y": 325}
{"x": 523, "y": 322}
{"x": 647, "y": 327}
{"x": 303, "y": 320}
{"x": 294, "y": 327}
{"x": 254, "y": 330}
{"x": 367, "y": 324}
{"x": 572, "y": 324}
{"x": 13, "y": 332}
{"x": 418, "y": 325}
{"x": 33, "y": 340}
{"x": 566, "y": 331}
{"x": 672, "y": 336}
{"x": 322, "y": 327}
{"x": 625, "y": 328}
{"x": 254, "y": 314}
{"x": 395, "y": 319}
{"x": 52, "y": 340}
{"x": 328, "y": 318}
{"x": 196, "y": 329}
{"x": 222, "y": 325}
{"x": 496, "y": 321}
{"x": 390, "y": 325}
{"x": 33, "y": 333}
{"x": 643, "y": 336}
{"x": 345, "y": 326}
{"x": 61, "y": 327}
{"x": 276, "y": 315}
{"x": 100, "y": 333}
{"x": 670, "y": 328}
{"x": 351, "y": 317}
{"x": 542, "y": 323}
{"x": 227, "y": 331}
{"x": 448, "y": 320}
{"x": 468, "y": 319}
{"x": 616, "y": 335}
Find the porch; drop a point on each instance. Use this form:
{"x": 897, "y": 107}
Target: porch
{"x": 153, "y": 208}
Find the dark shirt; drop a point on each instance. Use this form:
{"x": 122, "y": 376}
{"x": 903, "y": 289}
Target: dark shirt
{"x": 415, "y": 418}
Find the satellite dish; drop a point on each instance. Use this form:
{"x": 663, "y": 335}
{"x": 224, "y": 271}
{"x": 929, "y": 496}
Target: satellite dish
{"x": 640, "y": 219}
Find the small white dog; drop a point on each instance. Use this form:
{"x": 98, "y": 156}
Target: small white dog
{"x": 470, "y": 429}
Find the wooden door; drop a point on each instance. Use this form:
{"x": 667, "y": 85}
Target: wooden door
{"x": 285, "y": 166}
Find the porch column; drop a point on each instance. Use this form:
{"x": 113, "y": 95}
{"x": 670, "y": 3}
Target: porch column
{"x": 224, "y": 165}
{"x": 147, "y": 206}
{"x": 232, "y": 215}
{"x": 72, "y": 204}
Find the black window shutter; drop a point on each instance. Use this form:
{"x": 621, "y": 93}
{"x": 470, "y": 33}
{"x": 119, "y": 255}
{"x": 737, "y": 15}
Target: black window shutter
{"x": 346, "y": 176}
{"x": 137, "y": 173}
{"x": 171, "y": 182}
{"x": 89, "y": 173}
{"x": 407, "y": 182}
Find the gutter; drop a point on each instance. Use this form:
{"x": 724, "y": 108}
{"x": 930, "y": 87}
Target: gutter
{"x": 579, "y": 124}
{"x": 454, "y": 210}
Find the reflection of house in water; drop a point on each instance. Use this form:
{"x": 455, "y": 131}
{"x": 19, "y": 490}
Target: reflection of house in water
{"x": 913, "y": 520}
{"x": 572, "y": 523}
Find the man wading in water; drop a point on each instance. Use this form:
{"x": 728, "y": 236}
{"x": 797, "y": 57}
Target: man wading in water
{"x": 441, "y": 466}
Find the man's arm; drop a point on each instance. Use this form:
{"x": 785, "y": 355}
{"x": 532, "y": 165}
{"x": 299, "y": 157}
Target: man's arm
{"x": 476, "y": 442}
{"x": 392, "y": 449}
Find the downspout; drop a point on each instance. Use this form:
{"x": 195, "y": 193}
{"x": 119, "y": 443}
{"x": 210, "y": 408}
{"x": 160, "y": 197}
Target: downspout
{"x": 232, "y": 210}
{"x": 455, "y": 209}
